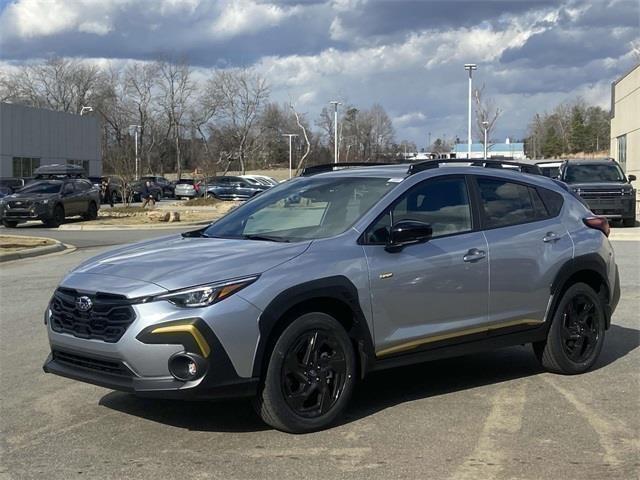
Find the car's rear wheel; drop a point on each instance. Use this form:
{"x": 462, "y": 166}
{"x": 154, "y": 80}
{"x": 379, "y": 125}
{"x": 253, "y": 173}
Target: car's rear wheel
{"x": 310, "y": 376}
{"x": 114, "y": 197}
{"x": 576, "y": 335}
{"x": 92, "y": 212}
{"x": 57, "y": 219}
{"x": 10, "y": 223}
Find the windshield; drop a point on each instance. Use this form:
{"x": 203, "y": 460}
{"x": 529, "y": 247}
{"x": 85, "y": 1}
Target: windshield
{"x": 303, "y": 209}
{"x": 594, "y": 173}
{"x": 42, "y": 187}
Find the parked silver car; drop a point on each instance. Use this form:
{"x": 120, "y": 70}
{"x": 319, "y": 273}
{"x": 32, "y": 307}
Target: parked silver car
{"x": 308, "y": 287}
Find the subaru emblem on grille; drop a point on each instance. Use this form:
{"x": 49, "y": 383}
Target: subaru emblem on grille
{"x": 84, "y": 303}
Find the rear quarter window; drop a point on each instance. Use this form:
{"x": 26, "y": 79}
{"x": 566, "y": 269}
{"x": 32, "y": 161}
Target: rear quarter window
{"x": 552, "y": 200}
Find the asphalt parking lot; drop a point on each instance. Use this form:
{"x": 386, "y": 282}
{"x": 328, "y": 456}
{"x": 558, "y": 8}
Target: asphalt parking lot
{"x": 487, "y": 416}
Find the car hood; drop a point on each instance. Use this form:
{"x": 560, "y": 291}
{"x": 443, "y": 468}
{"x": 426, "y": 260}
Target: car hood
{"x": 31, "y": 196}
{"x": 177, "y": 262}
{"x": 600, "y": 186}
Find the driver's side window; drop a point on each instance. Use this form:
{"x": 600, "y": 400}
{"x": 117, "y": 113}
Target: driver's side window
{"x": 442, "y": 202}
{"x": 68, "y": 189}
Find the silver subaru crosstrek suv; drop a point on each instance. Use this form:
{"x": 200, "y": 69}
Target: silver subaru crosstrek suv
{"x": 308, "y": 287}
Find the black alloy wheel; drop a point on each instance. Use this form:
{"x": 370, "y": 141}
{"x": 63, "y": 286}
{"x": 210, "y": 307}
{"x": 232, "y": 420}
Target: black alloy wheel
{"x": 310, "y": 375}
{"x": 580, "y": 321}
{"x": 314, "y": 373}
{"x": 576, "y": 334}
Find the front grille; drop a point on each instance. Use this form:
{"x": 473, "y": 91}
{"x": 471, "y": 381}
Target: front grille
{"x": 90, "y": 363}
{"x": 20, "y": 204}
{"x": 600, "y": 193}
{"x": 106, "y": 320}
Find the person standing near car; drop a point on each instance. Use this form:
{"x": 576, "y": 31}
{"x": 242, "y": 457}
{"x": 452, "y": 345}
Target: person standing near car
{"x": 105, "y": 190}
{"x": 146, "y": 195}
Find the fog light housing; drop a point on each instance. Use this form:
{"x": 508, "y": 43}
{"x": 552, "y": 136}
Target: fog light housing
{"x": 187, "y": 367}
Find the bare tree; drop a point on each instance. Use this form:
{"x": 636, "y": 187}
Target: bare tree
{"x": 304, "y": 134}
{"x": 242, "y": 94}
{"x": 176, "y": 89}
{"x": 487, "y": 112}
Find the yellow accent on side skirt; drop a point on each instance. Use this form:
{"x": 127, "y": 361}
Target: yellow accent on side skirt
{"x": 192, "y": 330}
{"x": 422, "y": 341}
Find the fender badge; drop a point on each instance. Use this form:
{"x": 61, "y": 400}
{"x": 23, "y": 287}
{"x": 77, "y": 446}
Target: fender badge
{"x": 385, "y": 275}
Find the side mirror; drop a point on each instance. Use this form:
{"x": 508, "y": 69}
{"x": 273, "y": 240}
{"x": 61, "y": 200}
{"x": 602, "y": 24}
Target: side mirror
{"x": 632, "y": 178}
{"x": 408, "y": 232}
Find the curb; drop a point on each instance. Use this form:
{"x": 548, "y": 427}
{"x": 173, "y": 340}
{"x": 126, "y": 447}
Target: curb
{"x": 629, "y": 235}
{"x": 144, "y": 226}
{"x": 34, "y": 252}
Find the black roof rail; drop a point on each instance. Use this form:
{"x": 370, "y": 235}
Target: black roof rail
{"x": 485, "y": 163}
{"x": 330, "y": 167}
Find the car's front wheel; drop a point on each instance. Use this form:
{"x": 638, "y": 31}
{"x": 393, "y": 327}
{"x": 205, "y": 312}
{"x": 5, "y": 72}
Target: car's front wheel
{"x": 576, "y": 335}
{"x": 57, "y": 219}
{"x": 92, "y": 212}
{"x": 310, "y": 376}
{"x": 10, "y": 223}
{"x": 629, "y": 222}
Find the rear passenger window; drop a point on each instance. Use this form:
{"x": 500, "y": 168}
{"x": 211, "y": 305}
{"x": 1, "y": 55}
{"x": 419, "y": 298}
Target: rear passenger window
{"x": 443, "y": 203}
{"x": 552, "y": 200}
{"x": 507, "y": 203}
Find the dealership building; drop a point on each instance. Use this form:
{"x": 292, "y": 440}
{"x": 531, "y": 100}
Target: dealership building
{"x": 625, "y": 121}
{"x": 32, "y": 137}
{"x": 508, "y": 149}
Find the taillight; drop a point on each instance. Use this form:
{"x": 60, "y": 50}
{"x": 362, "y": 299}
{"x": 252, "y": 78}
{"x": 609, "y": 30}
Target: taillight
{"x": 599, "y": 223}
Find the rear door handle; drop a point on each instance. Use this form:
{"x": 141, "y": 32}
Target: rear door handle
{"x": 474, "y": 255}
{"x": 551, "y": 237}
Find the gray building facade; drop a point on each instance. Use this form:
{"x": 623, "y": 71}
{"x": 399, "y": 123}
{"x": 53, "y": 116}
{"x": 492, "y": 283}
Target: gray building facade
{"x": 32, "y": 137}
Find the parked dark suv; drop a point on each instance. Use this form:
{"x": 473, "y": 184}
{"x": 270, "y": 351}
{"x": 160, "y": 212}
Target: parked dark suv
{"x": 603, "y": 186}
{"x": 234, "y": 188}
{"x": 51, "y": 201}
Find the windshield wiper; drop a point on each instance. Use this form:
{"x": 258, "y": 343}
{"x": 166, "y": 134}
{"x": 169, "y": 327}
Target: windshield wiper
{"x": 268, "y": 238}
{"x": 196, "y": 233}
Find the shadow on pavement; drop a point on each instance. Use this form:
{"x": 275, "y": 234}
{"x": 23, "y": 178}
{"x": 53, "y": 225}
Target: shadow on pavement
{"x": 377, "y": 392}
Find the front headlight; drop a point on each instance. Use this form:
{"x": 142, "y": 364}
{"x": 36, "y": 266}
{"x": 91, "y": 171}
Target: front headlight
{"x": 205, "y": 295}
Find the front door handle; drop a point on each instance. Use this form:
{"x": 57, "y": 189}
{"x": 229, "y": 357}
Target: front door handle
{"x": 551, "y": 237}
{"x": 474, "y": 255}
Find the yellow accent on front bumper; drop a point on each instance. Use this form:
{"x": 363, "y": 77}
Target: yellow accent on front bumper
{"x": 190, "y": 329}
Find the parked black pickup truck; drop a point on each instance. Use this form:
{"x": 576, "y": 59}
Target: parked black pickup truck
{"x": 604, "y": 188}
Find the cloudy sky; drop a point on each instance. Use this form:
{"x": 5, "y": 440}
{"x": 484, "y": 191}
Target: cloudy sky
{"x": 406, "y": 55}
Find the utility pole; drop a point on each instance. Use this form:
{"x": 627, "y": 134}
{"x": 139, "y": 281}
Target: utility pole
{"x": 485, "y": 125}
{"x": 470, "y": 67}
{"x": 136, "y": 129}
{"x": 290, "y": 135}
{"x": 429, "y": 145}
{"x": 335, "y": 104}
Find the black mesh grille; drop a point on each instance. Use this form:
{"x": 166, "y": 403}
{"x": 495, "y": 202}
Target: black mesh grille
{"x": 90, "y": 363}
{"x": 106, "y": 320}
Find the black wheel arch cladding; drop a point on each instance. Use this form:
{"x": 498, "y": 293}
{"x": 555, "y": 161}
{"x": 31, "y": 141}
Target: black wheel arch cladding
{"x": 334, "y": 291}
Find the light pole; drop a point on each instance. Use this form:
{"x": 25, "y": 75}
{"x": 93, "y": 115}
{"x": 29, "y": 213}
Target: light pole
{"x": 470, "y": 67}
{"x": 429, "y": 146}
{"x": 290, "y": 135}
{"x": 335, "y": 104}
{"x": 485, "y": 125}
{"x": 136, "y": 129}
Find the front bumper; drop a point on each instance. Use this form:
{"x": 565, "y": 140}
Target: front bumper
{"x": 209, "y": 387}
{"x": 138, "y": 362}
{"x": 613, "y": 208}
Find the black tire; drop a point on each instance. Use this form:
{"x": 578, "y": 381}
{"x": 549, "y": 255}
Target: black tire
{"x": 576, "y": 334}
{"x": 92, "y": 212}
{"x": 323, "y": 371}
{"x": 114, "y": 198}
{"x": 57, "y": 219}
{"x": 629, "y": 222}
{"x": 158, "y": 197}
{"x": 10, "y": 223}
{"x": 211, "y": 196}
